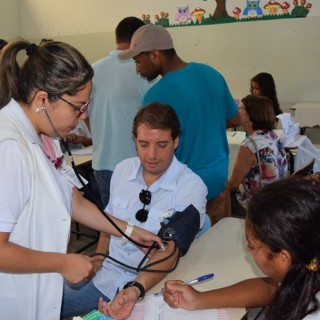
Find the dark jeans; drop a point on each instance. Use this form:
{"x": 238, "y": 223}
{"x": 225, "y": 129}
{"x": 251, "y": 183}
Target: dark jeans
{"x": 80, "y": 299}
{"x": 103, "y": 179}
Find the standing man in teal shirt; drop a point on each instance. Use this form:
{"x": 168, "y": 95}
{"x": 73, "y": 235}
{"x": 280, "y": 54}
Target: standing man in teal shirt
{"x": 202, "y": 101}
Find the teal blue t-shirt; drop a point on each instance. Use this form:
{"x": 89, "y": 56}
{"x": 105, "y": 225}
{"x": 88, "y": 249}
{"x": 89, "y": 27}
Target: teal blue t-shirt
{"x": 201, "y": 98}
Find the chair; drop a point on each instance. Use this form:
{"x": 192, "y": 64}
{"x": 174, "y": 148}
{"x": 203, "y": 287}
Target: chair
{"x": 290, "y": 159}
{"x": 91, "y": 193}
{"x": 306, "y": 152}
{"x": 93, "y": 238}
{"x": 306, "y": 170}
{"x": 206, "y": 226}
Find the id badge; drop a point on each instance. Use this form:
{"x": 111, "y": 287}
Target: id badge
{"x": 70, "y": 175}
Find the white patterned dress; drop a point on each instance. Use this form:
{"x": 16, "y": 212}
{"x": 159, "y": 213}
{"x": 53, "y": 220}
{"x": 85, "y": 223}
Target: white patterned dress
{"x": 273, "y": 163}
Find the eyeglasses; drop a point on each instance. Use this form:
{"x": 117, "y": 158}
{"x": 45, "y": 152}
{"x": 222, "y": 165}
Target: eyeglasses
{"x": 81, "y": 109}
{"x": 145, "y": 198}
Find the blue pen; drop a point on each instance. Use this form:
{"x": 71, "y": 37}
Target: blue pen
{"x": 191, "y": 282}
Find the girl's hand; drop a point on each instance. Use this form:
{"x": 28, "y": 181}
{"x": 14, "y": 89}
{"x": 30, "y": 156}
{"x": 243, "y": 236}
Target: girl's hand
{"x": 180, "y": 295}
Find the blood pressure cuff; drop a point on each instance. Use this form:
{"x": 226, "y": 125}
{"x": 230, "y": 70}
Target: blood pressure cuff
{"x": 182, "y": 228}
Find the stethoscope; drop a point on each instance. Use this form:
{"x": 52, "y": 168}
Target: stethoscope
{"x": 86, "y": 189}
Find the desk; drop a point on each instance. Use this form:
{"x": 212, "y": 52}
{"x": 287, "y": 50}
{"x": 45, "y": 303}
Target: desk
{"x": 221, "y": 250}
{"x": 234, "y": 140}
{"x": 307, "y": 114}
{"x": 81, "y": 157}
{"x": 80, "y": 160}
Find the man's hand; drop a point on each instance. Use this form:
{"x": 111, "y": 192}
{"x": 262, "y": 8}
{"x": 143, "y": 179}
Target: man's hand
{"x": 122, "y": 305}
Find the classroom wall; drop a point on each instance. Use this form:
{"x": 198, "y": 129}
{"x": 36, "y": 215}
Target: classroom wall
{"x": 9, "y": 19}
{"x": 287, "y": 48}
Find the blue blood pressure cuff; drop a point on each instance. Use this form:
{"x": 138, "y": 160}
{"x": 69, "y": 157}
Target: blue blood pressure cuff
{"x": 181, "y": 227}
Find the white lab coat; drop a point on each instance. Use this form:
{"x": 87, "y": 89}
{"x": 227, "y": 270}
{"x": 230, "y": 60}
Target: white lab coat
{"x": 44, "y": 225}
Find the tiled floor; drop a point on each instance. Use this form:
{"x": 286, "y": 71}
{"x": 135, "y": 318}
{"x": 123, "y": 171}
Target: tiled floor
{"x": 79, "y": 242}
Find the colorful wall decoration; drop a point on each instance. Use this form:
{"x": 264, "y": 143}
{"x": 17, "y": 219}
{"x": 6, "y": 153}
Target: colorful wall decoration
{"x": 211, "y": 12}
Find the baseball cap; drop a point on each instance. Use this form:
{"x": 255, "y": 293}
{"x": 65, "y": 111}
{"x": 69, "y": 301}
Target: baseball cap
{"x": 3, "y": 43}
{"x": 148, "y": 38}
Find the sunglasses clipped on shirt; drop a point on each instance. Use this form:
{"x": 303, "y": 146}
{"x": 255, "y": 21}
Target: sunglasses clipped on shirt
{"x": 81, "y": 110}
{"x": 145, "y": 198}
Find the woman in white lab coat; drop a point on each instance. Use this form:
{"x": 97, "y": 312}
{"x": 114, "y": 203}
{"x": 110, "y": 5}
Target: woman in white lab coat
{"x": 45, "y": 97}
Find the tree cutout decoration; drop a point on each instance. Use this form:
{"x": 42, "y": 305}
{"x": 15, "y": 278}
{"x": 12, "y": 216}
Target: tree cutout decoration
{"x": 221, "y": 11}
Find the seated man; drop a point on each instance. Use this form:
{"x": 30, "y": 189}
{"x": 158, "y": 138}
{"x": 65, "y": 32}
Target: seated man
{"x": 143, "y": 189}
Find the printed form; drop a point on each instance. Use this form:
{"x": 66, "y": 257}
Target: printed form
{"x": 154, "y": 308}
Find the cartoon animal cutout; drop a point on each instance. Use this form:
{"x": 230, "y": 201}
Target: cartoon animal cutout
{"x": 183, "y": 15}
{"x": 252, "y": 9}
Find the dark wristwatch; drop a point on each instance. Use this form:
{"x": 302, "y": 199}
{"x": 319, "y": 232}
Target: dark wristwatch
{"x": 139, "y": 286}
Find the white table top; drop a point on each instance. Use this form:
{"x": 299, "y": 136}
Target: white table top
{"x": 221, "y": 250}
{"x": 235, "y": 137}
{"x": 80, "y": 157}
{"x": 307, "y": 114}
{"x": 306, "y": 105}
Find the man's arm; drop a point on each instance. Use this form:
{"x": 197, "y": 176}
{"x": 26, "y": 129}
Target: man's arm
{"x": 103, "y": 248}
{"x": 150, "y": 279}
{"x": 235, "y": 121}
{"x": 123, "y": 303}
{"x": 86, "y": 213}
{"x": 74, "y": 138}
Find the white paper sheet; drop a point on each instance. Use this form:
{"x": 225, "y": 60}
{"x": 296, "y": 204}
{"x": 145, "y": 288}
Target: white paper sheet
{"x": 290, "y": 128}
{"x": 154, "y": 308}
{"x": 82, "y": 151}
